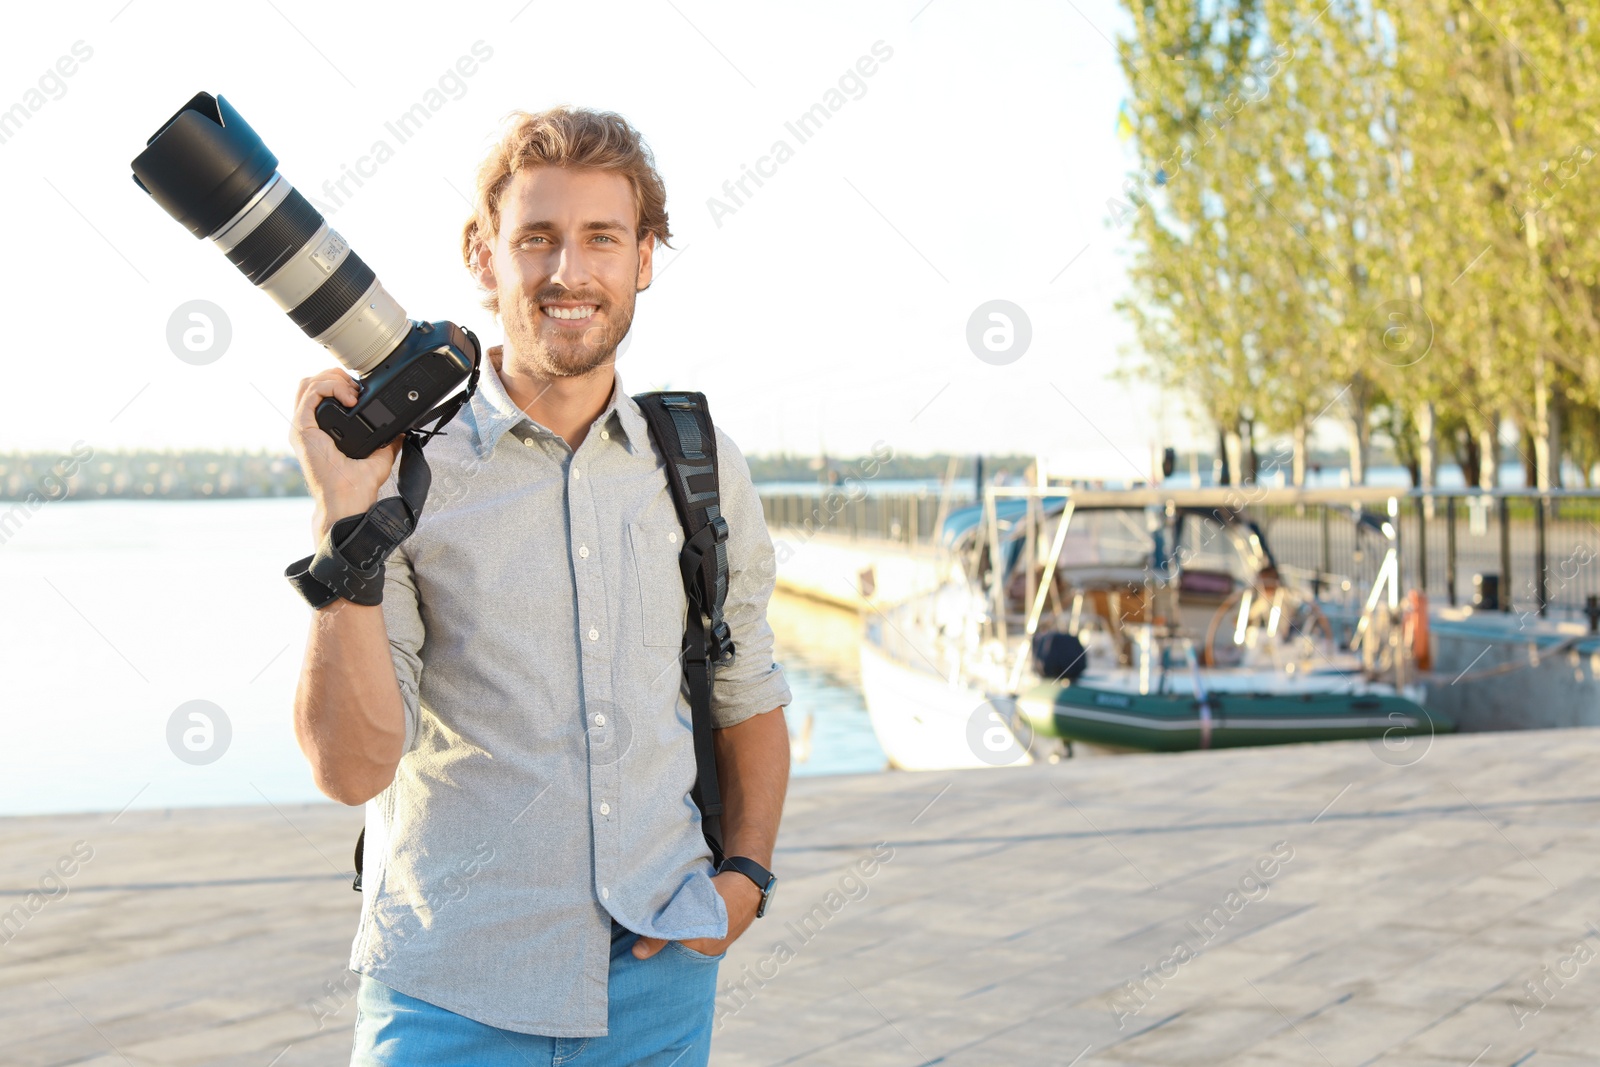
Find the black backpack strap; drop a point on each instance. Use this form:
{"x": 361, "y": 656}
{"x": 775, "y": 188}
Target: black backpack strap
{"x": 681, "y": 427}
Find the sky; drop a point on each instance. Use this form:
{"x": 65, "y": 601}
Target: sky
{"x": 831, "y": 307}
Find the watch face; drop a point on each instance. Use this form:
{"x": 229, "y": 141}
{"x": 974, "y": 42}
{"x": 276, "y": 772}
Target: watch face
{"x": 766, "y": 897}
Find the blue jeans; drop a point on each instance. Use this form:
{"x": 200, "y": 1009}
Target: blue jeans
{"x": 659, "y": 1014}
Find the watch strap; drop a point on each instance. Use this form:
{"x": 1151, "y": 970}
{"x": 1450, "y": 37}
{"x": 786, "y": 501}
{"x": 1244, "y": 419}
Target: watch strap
{"x": 763, "y": 878}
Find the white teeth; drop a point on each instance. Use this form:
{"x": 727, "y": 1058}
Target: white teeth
{"x": 571, "y": 313}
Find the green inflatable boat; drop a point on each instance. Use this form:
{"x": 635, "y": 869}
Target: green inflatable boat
{"x": 1181, "y": 721}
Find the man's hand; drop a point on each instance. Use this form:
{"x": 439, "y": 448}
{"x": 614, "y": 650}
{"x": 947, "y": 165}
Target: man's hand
{"x": 739, "y": 895}
{"x": 339, "y": 486}
{"x": 753, "y": 763}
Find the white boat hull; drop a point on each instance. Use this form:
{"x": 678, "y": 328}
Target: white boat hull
{"x": 924, "y": 723}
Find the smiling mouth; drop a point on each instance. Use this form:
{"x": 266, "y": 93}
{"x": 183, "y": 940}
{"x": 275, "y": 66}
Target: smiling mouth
{"x": 581, "y": 313}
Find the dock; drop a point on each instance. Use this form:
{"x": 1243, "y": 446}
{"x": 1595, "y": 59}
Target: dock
{"x": 852, "y": 573}
{"x": 1340, "y": 903}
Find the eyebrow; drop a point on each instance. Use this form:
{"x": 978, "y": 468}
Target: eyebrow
{"x": 546, "y": 224}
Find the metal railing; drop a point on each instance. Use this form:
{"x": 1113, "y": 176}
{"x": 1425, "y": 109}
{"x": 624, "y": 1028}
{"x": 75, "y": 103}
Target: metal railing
{"x": 1508, "y": 550}
{"x": 905, "y": 518}
{"x": 1538, "y": 553}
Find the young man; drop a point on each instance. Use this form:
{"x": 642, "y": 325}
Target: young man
{"x": 537, "y": 888}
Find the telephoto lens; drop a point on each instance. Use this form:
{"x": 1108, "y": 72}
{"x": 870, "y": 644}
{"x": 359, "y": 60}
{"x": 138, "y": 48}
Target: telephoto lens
{"x": 209, "y": 170}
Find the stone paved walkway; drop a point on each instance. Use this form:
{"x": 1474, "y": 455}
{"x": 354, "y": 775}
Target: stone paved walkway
{"x": 1420, "y": 908}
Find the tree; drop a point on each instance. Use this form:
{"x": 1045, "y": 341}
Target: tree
{"x": 1371, "y": 207}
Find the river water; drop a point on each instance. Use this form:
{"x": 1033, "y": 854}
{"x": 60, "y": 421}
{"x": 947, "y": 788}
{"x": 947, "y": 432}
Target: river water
{"x": 119, "y": 612}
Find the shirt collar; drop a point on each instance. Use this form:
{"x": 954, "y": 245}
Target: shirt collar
{"x": 493, "y": 413}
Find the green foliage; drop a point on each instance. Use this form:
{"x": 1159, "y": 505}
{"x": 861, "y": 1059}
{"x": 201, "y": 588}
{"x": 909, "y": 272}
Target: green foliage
{"x": 1365, "y": 207}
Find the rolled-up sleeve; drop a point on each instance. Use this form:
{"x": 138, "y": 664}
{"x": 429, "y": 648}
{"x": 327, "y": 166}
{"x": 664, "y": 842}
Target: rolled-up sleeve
{"x": 751, "y": 682}
{"x": 402, "y": 617}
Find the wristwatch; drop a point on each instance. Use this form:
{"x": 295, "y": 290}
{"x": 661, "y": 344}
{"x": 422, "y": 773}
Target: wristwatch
{"x": 764, "y": 879}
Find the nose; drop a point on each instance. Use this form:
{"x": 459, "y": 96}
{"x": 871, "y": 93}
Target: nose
{"x": 571, "y": 267}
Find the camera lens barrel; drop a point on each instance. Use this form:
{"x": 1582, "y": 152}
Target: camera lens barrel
{"x": 288, "y": 250}
{"x": 209, "y": 170}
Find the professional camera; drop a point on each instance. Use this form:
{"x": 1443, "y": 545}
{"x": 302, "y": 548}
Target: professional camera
{"x": 209, "y": 170}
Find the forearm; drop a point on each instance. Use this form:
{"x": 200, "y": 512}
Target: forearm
{"x": 753, "y": 772}
{"x": 348, "y": 714}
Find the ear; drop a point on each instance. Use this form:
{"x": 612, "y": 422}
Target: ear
{"x": 483, "y": 266}
{"x": 647, "y": 250}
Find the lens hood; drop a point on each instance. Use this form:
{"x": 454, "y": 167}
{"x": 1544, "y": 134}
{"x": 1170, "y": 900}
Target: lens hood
{"x": 204, "y": 164}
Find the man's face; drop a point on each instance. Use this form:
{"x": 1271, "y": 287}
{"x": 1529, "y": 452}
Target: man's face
{"x": 566, "y": 266}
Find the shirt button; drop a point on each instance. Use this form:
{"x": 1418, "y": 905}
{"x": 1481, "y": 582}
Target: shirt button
{"x": 605, "y": 809}
{"x": 583, "y": 551}
{"x": 605, "y": 435}
{"x": 594, "y": 635}
{"x": 575, "y": 474}
{"x": 605, "y": 894}
{"x": 528, "y": 441}
{"x": 672, "y": 538}
{"x": 599, "y": 720}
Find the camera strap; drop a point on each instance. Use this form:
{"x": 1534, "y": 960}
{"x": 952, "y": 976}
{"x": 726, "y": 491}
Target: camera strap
{"x": 349, "y": 562}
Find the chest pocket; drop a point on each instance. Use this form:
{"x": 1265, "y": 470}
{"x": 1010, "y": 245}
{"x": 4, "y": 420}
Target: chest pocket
{"x": 662, "y": 603}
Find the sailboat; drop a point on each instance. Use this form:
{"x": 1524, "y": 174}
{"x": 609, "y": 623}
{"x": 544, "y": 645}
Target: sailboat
{"x": 1077, "y": 621}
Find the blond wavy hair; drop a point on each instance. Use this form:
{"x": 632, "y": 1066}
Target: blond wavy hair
{"x": 565, "y": 137}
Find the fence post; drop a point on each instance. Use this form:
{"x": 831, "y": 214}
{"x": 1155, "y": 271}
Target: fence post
{"x": 1505, "y": 554}
{"x": 1450, "y": 547}
{"x": 1539, "y": 587}
{"x": 1423, "y": 508}
{"x": 1399, "y": 548}
{"x": 1327, "y": 558}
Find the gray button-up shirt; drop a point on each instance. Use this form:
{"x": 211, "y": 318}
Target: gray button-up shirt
{"x": 535, "y": 620}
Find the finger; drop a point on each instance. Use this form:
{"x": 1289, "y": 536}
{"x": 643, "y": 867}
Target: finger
{"x": 331, "y": 374}
{"x": 342, "y": 389}
{"x": 646, "y": 947}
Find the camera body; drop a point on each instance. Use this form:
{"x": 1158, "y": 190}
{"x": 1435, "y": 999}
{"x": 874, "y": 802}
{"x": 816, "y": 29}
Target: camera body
{"x": 209, "y": 170}
{"x": 432, "y": 359}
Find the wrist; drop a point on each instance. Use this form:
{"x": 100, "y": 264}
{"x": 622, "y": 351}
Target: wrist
{"x": 739, "y": 895}
{"x": 755, "y": 882}
{"x": 333, "y": 509}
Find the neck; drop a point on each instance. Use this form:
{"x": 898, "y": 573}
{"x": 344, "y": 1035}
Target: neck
{"x": 567, "y": 406}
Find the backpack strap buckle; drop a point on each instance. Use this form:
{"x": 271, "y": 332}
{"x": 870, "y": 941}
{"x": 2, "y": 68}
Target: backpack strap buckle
{"x": 721, "y": 640}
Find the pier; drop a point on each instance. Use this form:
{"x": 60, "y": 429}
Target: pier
{"x": 1343, "y": 903}
{"x": 852, "y": 573}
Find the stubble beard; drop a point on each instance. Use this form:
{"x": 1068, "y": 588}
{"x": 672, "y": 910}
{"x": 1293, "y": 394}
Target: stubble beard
{"x": 548, "y": 355}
